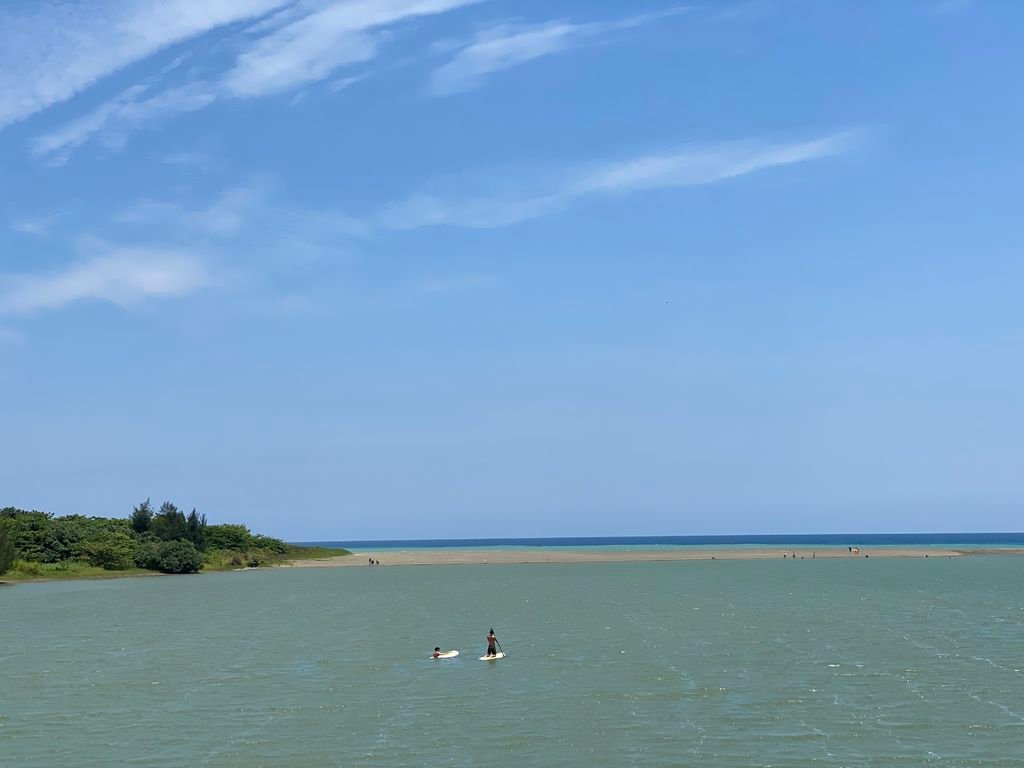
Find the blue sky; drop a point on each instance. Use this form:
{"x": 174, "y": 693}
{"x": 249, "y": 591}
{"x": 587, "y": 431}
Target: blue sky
{"x": 417, "y": 268}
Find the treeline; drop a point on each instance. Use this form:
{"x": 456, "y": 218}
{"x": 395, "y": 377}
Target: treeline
{"x": 165, "y": 540}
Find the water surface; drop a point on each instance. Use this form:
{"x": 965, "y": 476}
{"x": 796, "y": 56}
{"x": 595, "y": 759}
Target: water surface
{"x": 812, "y": 662}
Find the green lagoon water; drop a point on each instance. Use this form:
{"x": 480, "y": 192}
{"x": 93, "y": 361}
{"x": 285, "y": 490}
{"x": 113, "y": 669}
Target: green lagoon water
{"x": 813, "y": 662}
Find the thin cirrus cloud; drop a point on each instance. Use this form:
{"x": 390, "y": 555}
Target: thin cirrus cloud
{"x": 49, "y": 52}
{"x": 505, "y": 46}
{"x": 681, "y": 168}
{"x": 114, "y": 120}
{"x": 294, "y": 50}
{"x": 123, "y": 275}
{"x": 311, "y": 48}
{"x": 223, "y": 217}
{"x": 38, "y": 227}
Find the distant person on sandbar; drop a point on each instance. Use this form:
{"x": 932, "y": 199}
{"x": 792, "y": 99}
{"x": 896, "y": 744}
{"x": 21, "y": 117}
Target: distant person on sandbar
{"x": 492, "y": 641}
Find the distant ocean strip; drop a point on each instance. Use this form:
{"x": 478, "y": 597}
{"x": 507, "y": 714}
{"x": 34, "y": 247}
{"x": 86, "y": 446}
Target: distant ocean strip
{"x": 785, "y": 540}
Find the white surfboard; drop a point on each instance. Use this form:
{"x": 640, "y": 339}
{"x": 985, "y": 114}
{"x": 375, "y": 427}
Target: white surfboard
{"x": 498, "y": 655}
{"x": 446, "y": 655}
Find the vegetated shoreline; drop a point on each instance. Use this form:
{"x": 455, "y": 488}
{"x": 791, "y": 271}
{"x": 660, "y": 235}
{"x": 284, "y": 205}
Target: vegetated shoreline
{"x": 540, "y": 555}
{"x": 85, "y": 572}
{"x": 37, "y": 546}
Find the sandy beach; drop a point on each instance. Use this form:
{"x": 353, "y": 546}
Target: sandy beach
{"x": 553, "y": 555}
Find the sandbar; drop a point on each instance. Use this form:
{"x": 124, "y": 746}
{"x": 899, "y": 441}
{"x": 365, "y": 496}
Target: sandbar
{"x": 458, "y": 556}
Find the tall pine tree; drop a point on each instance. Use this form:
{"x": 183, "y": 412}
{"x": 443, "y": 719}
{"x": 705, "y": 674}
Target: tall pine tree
{"x": 196, "y": 532}
{"x": 142, "y": 517}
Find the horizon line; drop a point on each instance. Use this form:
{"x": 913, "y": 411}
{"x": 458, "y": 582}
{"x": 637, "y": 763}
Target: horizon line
{"x": 665, "y": 536}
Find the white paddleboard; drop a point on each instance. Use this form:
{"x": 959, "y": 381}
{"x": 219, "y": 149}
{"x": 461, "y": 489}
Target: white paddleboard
{"x": 497, "y": 656}
{"x": 446, "y": 655}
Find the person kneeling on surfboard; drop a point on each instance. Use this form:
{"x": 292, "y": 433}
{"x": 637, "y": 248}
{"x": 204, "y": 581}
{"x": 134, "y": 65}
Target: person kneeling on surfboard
{"x": 491, "y": 641}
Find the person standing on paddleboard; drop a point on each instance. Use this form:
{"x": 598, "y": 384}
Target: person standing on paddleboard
{"x": 492, "y": 641}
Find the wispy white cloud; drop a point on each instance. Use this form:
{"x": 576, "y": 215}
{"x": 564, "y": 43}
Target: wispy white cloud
{"x": 679, "y": 168}
{"x": 299, "y": 46}
{"x": 344, "y": 82}
{"x": 224, "y": 217}
{"x": 115, "y": 119}
{"x": 505, "y": 46}
{"x": 39, "y": 227}
{"x": 313, "y": 47}
{"x": 247, "y": 218}
{"x": 51, "y": 51}
{"x": 124, "y": 275}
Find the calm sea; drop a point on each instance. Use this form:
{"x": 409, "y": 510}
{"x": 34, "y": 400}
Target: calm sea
{"x": 880, "y": 662}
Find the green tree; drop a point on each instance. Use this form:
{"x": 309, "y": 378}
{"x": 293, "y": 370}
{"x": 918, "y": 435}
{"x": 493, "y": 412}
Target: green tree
{"x": 169, "y": 523}
{"x": 228, "y": 536}
{"x": 61, "y": 538}
{"x": 147, "y": 553}
{"x": 6, "y": 546}
{"x": 179, "y": 556}
{"x": 196, "y": 530}
{"x": 29, "y": 530}
{"x": 114, "y": 551}
{"x": 142, "y": 517}
{"x": 269, "y": 543}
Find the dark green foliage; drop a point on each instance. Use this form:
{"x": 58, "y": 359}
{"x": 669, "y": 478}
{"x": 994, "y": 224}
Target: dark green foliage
{"x": 6, "y": 546}
{"x": 179, "y": 557}
{"x": 147, "y": 552}
{"x": 169, "y": 523}
{"x": 41, "y": 538}
{"x": 196, "y": 530}
{"x": 29, "y": 530}
{"x": 228, "y": 536}
{"x": 112, "y": 550}
{"x": 142, "y": 517}
{"x": 61, "y": 538}
{"x": 167, "y": 540}
{"x": 269, "y": 543}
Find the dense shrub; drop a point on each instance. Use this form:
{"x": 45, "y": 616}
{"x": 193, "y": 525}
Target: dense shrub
{"x": 113, "y": 551}
{"x": 27, "y": 568}
{"x": 60, "y": 540}
{"x": 228, "y": 536}
{"x": 29, "y": 529}
{"x": 269, "y": 543}
{"x": 147, "y": 553}
{"x": 142, "y": 539}
{"x": 6, "y": 546}
{"x": 179, "y": 557}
